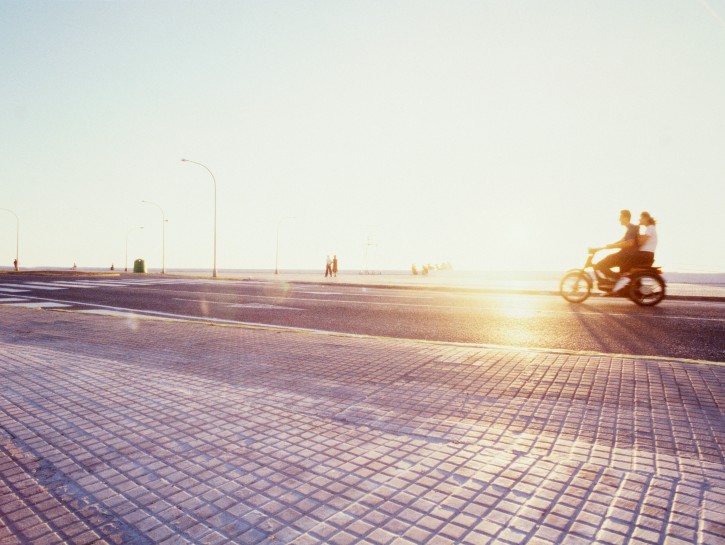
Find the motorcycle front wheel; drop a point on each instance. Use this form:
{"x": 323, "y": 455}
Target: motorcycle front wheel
{"x": 575, "y": 286}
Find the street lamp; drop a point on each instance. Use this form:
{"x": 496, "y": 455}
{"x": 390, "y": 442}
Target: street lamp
{"x": 129, "y": 232}
{"x": 214, "y": 180}
{"x": 163, "y": 236}
{"x": 17, "y": 237}
{"x": 276, "y": 260}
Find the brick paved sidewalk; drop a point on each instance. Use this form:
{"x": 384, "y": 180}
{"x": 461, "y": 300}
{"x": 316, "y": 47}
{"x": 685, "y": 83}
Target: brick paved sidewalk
{"x": 135, "y": 432}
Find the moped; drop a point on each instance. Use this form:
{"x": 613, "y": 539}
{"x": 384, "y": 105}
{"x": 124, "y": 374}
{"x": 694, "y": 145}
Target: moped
{"x": 646, "y": 287}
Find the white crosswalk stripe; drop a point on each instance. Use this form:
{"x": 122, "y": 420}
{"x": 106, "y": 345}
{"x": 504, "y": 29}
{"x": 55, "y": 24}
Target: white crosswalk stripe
{"x": 10, "y": 292}
{"x": 65, "y": 284}
{"x": 20, "y": 293}
{"x": 37, "y": 304}
{"x": 42, "y": 286}
{"x": 86, "y": 284}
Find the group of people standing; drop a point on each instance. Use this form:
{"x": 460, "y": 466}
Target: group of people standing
{"x": 331, "y": 266}
{"x": 637, "y": 249}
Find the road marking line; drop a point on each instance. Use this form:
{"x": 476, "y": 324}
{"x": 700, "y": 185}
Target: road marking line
{"x": 30, "y": 285}
{"x": 37, "y": 304}
{"x": 48, "y": 284}
{"x": 120, "y": 314}
{"x": 94, "y": 284}
{"x": 395, "y": 296}
{"x": 367, "y": 294}
{"x": 69, "y": 284}
{"x": 12, "y": 290}
{"x": 262, "y": 306}
{"x": 11, "y": 299}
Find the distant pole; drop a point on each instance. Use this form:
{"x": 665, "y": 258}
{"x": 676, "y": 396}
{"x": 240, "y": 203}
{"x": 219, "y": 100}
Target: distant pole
{"x": 129, "y": 232}
{"x": 214, "y": 180}
{"x": 276, "y": 261}
{"x": 17, "y": 237}
{"x": 163, "y": 236}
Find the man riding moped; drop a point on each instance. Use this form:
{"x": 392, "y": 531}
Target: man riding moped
{"x": 622, "y": 258}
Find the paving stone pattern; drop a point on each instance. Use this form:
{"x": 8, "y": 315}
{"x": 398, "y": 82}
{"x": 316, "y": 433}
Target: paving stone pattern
{"x": 130, "y": 431}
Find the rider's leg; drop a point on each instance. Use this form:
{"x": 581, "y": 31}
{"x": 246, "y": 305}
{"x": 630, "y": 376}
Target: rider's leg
{"x": 605, "y": 265}
{"x": 630, "y": 260}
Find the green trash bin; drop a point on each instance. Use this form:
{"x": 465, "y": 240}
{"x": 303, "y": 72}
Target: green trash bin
{"x": 139, "y": 266}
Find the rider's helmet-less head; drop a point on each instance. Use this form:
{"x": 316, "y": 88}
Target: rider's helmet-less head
{"x": 646, "y": 219}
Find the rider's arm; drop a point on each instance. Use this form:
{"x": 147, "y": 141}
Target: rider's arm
{"x": 621, "y": 244}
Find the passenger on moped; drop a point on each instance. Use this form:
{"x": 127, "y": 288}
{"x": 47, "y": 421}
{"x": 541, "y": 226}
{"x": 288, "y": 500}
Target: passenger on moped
{"x": 643, "y": 256}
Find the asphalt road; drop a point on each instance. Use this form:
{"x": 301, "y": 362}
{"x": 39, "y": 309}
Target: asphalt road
{"x": 677, "y": 329}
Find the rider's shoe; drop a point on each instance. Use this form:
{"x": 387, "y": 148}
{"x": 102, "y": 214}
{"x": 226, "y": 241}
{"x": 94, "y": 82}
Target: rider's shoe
{"x": 620, "y": 285}
{"x": 618, "y": 289}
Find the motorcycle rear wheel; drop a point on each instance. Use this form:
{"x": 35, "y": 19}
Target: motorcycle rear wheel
{"x": 647, "y": 290}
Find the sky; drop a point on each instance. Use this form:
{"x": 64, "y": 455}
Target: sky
{"x": 496, "y": 135}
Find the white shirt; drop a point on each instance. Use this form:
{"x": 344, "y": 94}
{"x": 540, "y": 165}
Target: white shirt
{"x": 651, "y": 244}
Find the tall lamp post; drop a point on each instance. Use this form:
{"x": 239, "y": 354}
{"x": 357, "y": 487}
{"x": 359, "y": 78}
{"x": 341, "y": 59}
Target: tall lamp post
{"x": 214, "y": 180}
{"x": 129, "y": 232}
{"x": 163, "y": 236}
{"x": 17, "y": 237}
{"x": 276, "y": 260}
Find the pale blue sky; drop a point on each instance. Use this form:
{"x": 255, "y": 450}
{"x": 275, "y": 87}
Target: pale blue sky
{"x": 499, "y": 134}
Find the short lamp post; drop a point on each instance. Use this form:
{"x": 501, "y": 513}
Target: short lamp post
{"x": 17, "y": 237}
{"x": 163, "y": 236}
{"x": 127, "y": 234}
{"x": 213, "y": 180}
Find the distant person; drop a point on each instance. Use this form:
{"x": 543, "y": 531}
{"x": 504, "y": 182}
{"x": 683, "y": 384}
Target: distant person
{"x": 328, "y": 267}
{"x": 627, "y": 245}
{"x": 334, "y": 266}
{"x": 112, "y": 267}
{"x": 15, "y": 264}
{"x": 644, "y": 256}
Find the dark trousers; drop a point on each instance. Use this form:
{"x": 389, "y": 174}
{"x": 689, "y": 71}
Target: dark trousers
{"x": 621, "y": 259}
{"x": 639, "y": 259}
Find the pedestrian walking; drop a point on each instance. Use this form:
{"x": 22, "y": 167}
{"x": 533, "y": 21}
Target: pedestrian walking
{"x": 334, "y": 266}
{"x": 328, "y": 267}
{"x": 15, "y": 264}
